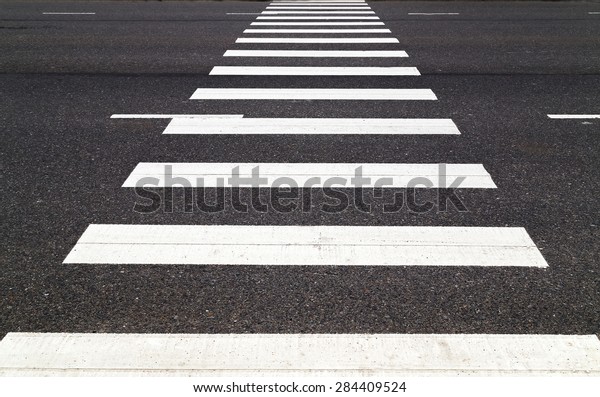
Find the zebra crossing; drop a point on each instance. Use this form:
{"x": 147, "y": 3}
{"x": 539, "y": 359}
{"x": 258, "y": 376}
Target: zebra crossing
{"x": 210, "y": 245}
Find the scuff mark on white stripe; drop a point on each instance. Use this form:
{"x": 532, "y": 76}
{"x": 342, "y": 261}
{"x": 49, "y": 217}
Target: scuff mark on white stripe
{"x": 306, "y": 245}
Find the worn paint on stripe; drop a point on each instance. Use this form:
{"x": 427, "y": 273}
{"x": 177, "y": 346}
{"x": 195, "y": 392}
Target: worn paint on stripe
{"x": 391, "y": 94}
{"x": 465, "y": 176}
{"x": 317, "y": 31}
{"x": 309, "y": 40}
{"x": 298, "y": 354}
{"x": 316, "y": 53}
{"x": 314, "y": 71}
{"x": 286, "y": 126}
{"x": 306, "y": 245}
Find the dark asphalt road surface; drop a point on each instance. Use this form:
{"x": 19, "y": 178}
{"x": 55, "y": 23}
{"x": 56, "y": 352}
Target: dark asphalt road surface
{"x": 497, "y": 69}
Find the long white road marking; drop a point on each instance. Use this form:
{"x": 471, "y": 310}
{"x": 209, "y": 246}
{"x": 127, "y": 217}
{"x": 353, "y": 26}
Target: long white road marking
{"x": 463, "y": 176}
{"x": 307, "y": 40}
{"x": 594, "y": 12}
{"x": 312, "y": 126}
{"x": 349, "y": 30}
{"x": 574, "y": 116}
{"x": 358, "y": 8}
{"x": 314, "y": 71}
{"x": 316, "y": 53}
{"x": 243, "y": 13}
{"x": 349, "y": 94}
{"x": 317, "y": 23}
{"x": 308, "y": 4}
{"x": 296, "y": 355}
{"x": 433, "y": 13}
{"x": 175, "y": 116}
{"x": 306, "y": 245}
{"x": 316, "y": 12}
{"x": 316, "y": 17}
{"x": 68, "y": 13}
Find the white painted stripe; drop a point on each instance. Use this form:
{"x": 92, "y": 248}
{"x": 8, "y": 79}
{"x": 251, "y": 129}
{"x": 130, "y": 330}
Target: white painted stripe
{"x": 318, "y": 8}
{"x": 316, "y": 17}
{"x": 316, "y": 12}
{"x": 298, "y": 355}
{"x": 329, "y": 30}
{"x": 574, "y": 116}
{"x": 175, "y": 116}
{"x": 319, "y": 4}
{"x": 313, "y": 126}
{"x": 313, "y": 71}
{"x": 243, "y": 13}
{"x": 315, "y": 93}
{"x": 306, "y": 245}
{"x": 317, "y": 1}
{"x": 433, "y": 13}
{"x": 594, "y": 12}
{"x": 316, "y": 53}
{"x": 463, "y": 176}
{"x": 317, "y": 23}
{"x": 336, "y": 2}
{"x": 365, "y": 31}
{"x": 68, "y": 13}
{"x": 308, "y": 40}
